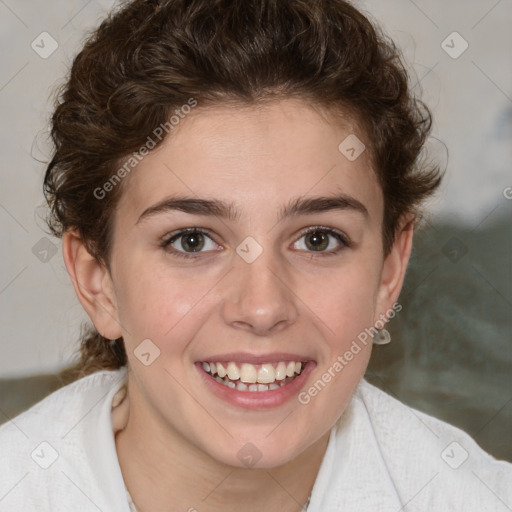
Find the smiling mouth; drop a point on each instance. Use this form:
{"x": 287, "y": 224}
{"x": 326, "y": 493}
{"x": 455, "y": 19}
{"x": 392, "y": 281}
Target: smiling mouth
{"x": 254, "y": 377}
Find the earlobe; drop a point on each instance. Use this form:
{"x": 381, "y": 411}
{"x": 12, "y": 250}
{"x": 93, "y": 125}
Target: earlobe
{"x": 394, "y": 267}
{"x": 93, "y": 285}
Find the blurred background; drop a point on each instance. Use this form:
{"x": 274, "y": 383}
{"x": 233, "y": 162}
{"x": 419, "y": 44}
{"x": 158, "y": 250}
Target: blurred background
{"x": 451, "y": 353}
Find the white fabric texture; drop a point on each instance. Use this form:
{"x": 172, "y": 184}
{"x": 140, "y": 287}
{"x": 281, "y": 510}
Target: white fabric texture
{"x": 382, "y": 455}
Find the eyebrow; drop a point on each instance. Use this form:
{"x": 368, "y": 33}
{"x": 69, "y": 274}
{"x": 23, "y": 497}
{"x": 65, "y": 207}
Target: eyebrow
{"x": 218, "y": 208}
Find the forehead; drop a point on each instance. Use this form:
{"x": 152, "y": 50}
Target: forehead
{"x": 255, "y": 157}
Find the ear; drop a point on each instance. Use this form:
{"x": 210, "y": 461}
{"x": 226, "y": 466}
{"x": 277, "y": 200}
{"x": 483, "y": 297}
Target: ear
{"x": 394, "y": 267}
{"x": 93, "y": 285}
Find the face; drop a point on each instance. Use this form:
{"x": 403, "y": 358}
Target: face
{"x": 280, "y": 269}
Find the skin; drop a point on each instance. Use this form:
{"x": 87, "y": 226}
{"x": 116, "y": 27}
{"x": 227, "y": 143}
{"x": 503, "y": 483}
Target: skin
{"x": 290, "y": 299}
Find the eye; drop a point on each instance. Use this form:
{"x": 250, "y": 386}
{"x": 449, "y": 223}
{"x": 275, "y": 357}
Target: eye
{"x": 186, "y": 241}
{"x": 317, "y": 239}
{"x": 326, "y": 241}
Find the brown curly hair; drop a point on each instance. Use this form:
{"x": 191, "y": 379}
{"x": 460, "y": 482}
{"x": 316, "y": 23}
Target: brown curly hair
{"x": 147, "y": 58}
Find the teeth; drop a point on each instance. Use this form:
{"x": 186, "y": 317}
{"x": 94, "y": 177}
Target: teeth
{"x": 221, "y": 371}
{"x": 266, "y": 374}
{"x": 281, "y": 371}
{"x": 241, "y": 386}
{"x": 248, "y": 373}
{"x": 233, "y": 372}
{"x": 248, "y": 377}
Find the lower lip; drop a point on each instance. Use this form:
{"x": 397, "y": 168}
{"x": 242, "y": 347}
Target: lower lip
{"x": 257, "y": 399}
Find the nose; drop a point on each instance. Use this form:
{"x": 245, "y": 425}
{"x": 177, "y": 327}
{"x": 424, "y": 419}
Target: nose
{"x": 259, "y": 296}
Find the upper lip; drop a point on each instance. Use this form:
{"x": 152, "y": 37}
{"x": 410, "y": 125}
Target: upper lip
{"x": 241, "y": 357}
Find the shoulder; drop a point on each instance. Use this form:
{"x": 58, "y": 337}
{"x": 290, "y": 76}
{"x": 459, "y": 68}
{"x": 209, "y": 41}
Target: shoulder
{"x": 391, "y": 419}
{"x": 436, "y": 463}
{"x": 63, "y": 405}
{"x": 47, "y": 452}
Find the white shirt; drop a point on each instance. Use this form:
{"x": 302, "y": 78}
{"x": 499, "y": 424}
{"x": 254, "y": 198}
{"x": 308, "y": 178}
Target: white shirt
{"x": 382, "y": 455}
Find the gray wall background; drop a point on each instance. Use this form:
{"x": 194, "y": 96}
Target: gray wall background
{"x": 471, "y": 98}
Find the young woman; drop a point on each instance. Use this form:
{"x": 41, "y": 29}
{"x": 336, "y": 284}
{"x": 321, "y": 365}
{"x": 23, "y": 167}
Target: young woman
{"x": 236, "y": 185}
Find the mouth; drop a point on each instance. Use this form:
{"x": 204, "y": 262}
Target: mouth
{"x": 257, "y": 385}
{"x": 248, "y": 377}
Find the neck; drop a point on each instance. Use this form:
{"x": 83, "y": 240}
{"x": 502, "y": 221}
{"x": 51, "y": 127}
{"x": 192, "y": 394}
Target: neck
{"x": 186, "y": 478}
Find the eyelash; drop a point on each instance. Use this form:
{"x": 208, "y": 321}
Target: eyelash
{"x": 341, "y": 237}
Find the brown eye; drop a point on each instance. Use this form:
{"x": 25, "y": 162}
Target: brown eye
{"x": 317, "y": 241}
{"x": 324, "y": 241}
{"x": 192, "y": 242}
{"x": 189, "y": 241}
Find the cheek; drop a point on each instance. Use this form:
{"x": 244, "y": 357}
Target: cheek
{"x": 344, "y": 299}
{"x": 345, "y": 304}
{"x": 155, "y": 303}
